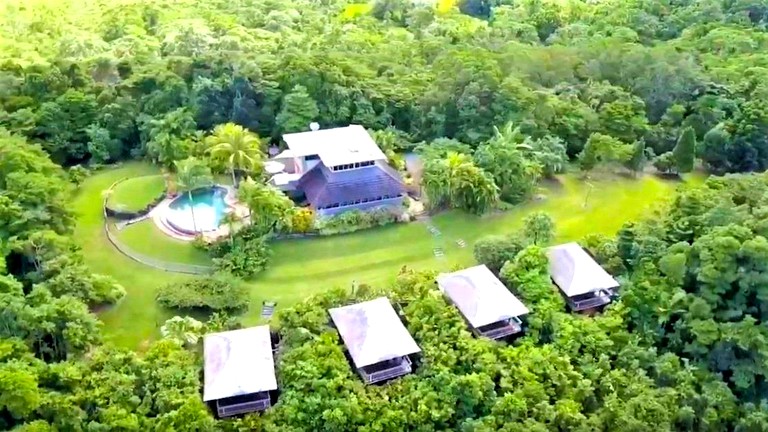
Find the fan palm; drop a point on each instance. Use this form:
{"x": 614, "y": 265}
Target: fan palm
{"x": 238, "y": 146}
{"x": 192, "y": 174}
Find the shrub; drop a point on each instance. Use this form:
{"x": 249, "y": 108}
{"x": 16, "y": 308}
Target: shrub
{"x": 355, "y": 220}
{"x": 302, "y": 221}
{"x": 219, "y": 292}
{"x": 494, "y": 251}
{"x": 243, "y": 258}
{"x": 77, "y": 174}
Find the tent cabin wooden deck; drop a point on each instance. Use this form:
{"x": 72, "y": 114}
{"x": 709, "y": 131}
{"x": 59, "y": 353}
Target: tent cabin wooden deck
{"x": 585, "y": 285}
{"x": 239, "y": 371}
{"x": 489, "y": 308}
{"x": 376, "y": 340}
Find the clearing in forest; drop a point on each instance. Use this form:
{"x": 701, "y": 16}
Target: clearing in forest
{"x": 302, "y": 267}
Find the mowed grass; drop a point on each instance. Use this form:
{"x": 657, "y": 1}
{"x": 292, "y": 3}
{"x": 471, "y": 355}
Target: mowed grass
{"x": 136, "y": 193}
{"x": 146, "y": 238}
{"x": 135, "y": 318}
{"x": 302, "y": 267}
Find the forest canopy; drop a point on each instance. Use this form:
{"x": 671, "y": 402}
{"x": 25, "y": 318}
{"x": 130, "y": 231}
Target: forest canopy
{"x": 502, "y": 92}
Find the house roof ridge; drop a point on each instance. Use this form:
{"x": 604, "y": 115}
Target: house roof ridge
{"x": 388, "y": 170}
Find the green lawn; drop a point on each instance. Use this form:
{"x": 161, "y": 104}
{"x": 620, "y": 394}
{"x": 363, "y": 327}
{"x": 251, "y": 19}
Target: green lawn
{"x": 146, "y": 238}
{"x": 302, "y": 267}
{"x": 136, "y": 193}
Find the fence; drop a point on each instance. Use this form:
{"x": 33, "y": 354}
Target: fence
{"x": 148, "y": 261}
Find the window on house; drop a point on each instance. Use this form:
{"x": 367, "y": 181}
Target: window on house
{"x": 311, "y": 157}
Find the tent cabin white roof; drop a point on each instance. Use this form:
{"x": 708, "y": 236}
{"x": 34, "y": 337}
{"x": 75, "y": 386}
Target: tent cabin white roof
{"x": 372, "y": 332}
{"x": 335, "y": 146}
{"x": 238, "y": 362}
{"x": 480, "y": 296}
{"x": 575, "y": 272}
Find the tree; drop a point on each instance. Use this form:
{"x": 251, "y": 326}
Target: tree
{"x": 297, "y": 111}
{"x": 539, "y": 228}
{"x": 62, "y": 125}
{"x": 505, "y": 158}
{"x": 192, "y": 174}
{"x": 716, "y": 148}
{"x": 34, "y": 192}
{"x": 167, "y": 138}
{"x": 550, "y": 152}
{"x": 604, "y": 149}
{"x": 456, "y": 182}
{"x": 230, "y": 219}
{"x": 239, "y": 147}
{"x": 637, "y": 160}
{"x": 269, "y": 207}
{"x": 685, "y": 150}
{"x": 495, "y": 251}
{"x": 101, "y": 146}
{"x": 19, "y": 393}
{"x": 665, "y": 163}
{"x": 682, "y": 348}
{"x": 391, "y": 141}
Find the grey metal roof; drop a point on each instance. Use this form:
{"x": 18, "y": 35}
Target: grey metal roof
{"x": 480, "y": 296}
{"x": 335, "y": 146}
{"x": 372, "y": 332}
{"x": 238, "y": 362}
{"x": 324, "y": 187}
{"x": 575, "y": 272}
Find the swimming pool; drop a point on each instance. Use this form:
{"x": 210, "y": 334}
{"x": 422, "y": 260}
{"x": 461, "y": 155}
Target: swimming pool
{"x": 208, "y": 206}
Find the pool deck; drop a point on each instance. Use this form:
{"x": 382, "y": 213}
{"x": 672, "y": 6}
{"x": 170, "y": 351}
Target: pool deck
{"x": 233, "y": 205}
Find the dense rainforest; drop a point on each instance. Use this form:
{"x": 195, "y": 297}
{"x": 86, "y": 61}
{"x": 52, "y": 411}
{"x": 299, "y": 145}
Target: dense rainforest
{"x": 685, "y": 347}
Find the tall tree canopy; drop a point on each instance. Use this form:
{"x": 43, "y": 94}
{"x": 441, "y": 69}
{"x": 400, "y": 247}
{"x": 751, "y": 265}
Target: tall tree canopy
{"x": 682, "y": 348}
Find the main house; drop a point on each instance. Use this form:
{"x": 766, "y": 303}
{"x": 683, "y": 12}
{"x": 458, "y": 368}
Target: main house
{"x": 337, "y": 169}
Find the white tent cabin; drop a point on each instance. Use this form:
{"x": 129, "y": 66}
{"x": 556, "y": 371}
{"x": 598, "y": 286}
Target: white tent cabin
{"x": 239, "y": 370}
{"x": 582, "y": 281}
{"x": 489, "y": 308}
{"x": 376, "y": 339}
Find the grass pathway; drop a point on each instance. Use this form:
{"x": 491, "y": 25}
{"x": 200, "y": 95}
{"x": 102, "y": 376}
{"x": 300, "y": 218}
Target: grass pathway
{"x": 301, "y": 267}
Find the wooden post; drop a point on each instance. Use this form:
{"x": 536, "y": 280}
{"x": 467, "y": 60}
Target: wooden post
{"x": 589, "y": 192}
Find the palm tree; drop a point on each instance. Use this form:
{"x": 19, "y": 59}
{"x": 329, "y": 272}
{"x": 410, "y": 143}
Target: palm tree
{"x": 457, "y": 182}
{"x": 231, "y": 218}
{"x": 238, "y": 146}
{"x": 192, "y": 174}
{"x": 269, "y": 208}
{"x": 510, "y": 133}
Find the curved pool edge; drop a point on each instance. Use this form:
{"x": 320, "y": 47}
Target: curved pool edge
{"x": 162, "y": 216}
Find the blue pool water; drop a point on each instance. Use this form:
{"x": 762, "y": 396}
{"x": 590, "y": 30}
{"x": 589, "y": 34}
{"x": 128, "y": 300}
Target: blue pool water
{"x": 209, "y": 209}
